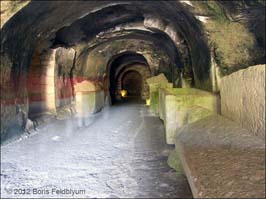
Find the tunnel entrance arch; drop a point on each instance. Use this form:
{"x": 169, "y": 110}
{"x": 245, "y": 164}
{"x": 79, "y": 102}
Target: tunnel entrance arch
{"x": 119, "y": 63}
{"x": 142, "y": 70}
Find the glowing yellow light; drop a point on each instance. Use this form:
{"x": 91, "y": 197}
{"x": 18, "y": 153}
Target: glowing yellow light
{"x": 123, "y": 93}
{"x": 148, "y": 102}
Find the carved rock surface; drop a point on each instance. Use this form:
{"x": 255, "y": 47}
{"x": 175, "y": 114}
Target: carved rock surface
{"x": 243, "y": 98}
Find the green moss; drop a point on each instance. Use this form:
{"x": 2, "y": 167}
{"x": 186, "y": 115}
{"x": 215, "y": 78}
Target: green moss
{"x": 185, "y": 91}
{"x": 232, "y": 43}
{"x": 215, "y": 10}
{"x": 187, "y": 97}
{"x": 183, "y": 106}
{"x": 174, "y": 161}
{"x": 210, "y": 8}
{"x": 155, "y": 83}
{"x": 154, "y": 101}
{"x": 196, "y": 113}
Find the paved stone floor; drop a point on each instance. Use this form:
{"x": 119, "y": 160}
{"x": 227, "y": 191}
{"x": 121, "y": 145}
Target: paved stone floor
{"x": 121, "y": 152}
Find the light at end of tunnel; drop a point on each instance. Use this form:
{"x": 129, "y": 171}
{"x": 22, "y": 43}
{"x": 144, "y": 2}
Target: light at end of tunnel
{"x": 123, "y": 93}
{"x": 148, "y": 102}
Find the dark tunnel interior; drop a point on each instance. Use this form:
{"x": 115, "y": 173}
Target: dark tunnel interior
{"x": 133, "y": 99}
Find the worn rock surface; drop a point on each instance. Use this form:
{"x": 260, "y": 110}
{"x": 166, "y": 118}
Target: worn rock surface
{"x": 89, "y": 98}
{"x": 155, "y": 83}
{"x": 64, "y": 59}
{"x": 9, "y": 8}
{"x": 194, "y": 43}
{"x": 243, "y": 98}
{"x": 109, "y": 157}
{"x": 180, "y": 106}
{"x": 222, "y": 159}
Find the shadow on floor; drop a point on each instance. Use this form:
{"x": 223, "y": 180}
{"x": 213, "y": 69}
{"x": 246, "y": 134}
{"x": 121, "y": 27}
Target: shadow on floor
{"x": 130, "y": 100}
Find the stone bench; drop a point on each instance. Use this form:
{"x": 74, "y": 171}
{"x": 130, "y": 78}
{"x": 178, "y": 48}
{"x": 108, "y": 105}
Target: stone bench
{"x": 89, "y": 98}
{"x": 180, "y": 106}
{"x": 221, "y": 159}
{"x": 155, "y": 83}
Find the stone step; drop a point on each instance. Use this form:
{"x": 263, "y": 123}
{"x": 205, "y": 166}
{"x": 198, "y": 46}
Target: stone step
{"x": 221, "y": 159}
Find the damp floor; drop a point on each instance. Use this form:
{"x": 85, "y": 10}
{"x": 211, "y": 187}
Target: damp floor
{"x": 119, "y": 152}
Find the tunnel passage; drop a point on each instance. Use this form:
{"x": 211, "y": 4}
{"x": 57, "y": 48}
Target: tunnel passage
{"x": 128, "y": 71}
{"x": 132, "y": 83}
{"x": 68, "y": 60}
{"x": 97, "y": 31}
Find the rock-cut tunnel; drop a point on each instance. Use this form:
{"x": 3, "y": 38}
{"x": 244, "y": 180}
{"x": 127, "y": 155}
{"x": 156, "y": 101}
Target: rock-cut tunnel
{"x": 133, "y": 99}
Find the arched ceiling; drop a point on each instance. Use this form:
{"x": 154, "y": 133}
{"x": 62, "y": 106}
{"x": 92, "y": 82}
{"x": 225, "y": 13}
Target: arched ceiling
{"x": 96, "y": 62}
{"x": 168, "y": 24}
{"x": 158, "y": 39}
{"x": 177, "y": 27}
{"x": 122, "y": 60}
{"x": 131, "y": 67}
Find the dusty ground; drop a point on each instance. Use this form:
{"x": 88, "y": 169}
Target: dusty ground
{"x": 121, "y": 152}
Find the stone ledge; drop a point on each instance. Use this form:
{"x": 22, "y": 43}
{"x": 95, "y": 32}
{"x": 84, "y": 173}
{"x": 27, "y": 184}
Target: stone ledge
{"x": 155, "y": 83}
{"x": 221, "y": 159}
{"x": 180, "y": 106}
